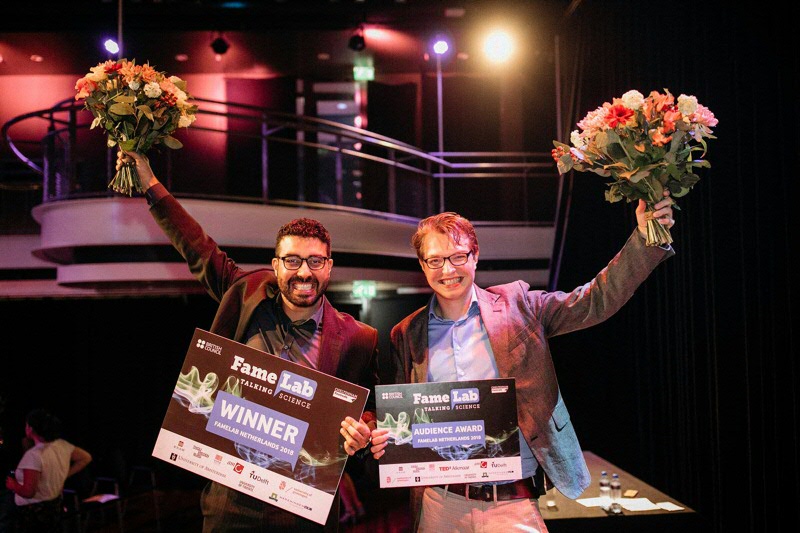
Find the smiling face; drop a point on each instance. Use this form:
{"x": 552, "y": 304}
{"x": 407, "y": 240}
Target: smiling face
{"x": 452, "y": 284}
{"x": 301, "y": 289}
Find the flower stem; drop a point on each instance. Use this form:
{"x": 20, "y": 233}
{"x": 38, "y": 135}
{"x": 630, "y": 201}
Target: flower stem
{"x": 126, "y": 180}
{"x": 657, "y": 233}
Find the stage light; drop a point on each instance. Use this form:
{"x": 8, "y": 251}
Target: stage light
{"x": 220, "y": 45}
{"x": 357, "y": 42}
{"x": 498, "y": 46}
{"x": 440, "y": 47}
{"x": 111, "y": 46}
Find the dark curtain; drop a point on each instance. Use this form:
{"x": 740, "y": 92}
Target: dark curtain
{"x": 697, "y": 391}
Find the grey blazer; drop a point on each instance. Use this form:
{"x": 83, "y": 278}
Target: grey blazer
{"x": 518, "y": 322}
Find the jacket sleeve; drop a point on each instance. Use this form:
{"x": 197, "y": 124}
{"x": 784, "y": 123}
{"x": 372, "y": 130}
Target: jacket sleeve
{"x": 596, "y": 301}
{"x": 211, "y": 266}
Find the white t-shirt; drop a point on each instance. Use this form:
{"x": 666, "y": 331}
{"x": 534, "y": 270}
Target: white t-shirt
{"x": 51, "y": 460}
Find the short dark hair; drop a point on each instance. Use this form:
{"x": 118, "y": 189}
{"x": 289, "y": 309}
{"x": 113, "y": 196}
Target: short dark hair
{"x": 451, "y": 224}
{"x": 45, "y": 424}
{"x": 304, "y": 227}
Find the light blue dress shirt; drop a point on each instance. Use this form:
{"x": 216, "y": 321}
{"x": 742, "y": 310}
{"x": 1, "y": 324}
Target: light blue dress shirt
{"x": 459, "y": 350}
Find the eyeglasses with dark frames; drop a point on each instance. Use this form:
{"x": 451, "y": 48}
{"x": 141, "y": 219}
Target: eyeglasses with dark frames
{"x": 294, "y": 262}
{"x": 435, "y": 263}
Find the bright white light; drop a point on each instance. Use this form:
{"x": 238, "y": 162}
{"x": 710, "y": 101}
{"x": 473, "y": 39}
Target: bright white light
{"x": 498, "y": 46}
{"x": 111, "y": 46}
{"x": 440, "y": 47}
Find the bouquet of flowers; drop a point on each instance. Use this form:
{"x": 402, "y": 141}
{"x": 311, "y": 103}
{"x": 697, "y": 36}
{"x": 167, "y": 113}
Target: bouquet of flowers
{"x": 137, "y": 107}
{"x": 645, "y": 145}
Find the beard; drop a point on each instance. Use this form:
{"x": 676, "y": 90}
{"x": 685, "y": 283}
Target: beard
{"x": 309, "y": 300}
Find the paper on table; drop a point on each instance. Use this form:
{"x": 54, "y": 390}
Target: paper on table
{"x": 637, "y": 504}
{"x": 589, "y": 502}
{"x": 669, "y": 506}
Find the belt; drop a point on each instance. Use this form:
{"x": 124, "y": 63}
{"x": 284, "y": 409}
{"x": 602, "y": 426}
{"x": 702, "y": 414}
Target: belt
{"x": 523, "y": 488}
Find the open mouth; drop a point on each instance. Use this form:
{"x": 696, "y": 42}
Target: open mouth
{"x": 451, "y": 281}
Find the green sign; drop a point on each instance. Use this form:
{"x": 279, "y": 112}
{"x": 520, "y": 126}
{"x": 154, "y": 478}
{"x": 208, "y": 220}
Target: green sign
{"x": 363, "y": 73}
{"x": 364, "y": 289}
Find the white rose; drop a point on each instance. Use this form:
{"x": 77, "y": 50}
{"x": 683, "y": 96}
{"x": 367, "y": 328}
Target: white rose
{"x": 180, "y": 96}
{"x": 152, "y": 90}
{"x": 576, "y": 139}
{"x": 185, "y": 121}
{"x": 687, "y": 104}
{"x": 134, "y": 85}
{"x": 632, "y": 100}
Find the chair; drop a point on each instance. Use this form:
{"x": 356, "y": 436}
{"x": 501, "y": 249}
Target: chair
{"x": 104, "y": 495}
{"x": 141, "y": 482}
{"x": 71, "y": 519}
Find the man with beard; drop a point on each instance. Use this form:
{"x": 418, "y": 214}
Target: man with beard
{"x": 285, "y": 313}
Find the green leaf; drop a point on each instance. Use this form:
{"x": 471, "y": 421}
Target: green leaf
{"x": 639, "y": 175}
{"x": 677, "y": 140}
{"x": 613, "y": 195}
{"x": 121, "y": 109}
{"x": 128, "y": 145}
{"x": 564, "y": 164}
{"x": 172, "y": 142}
{"x": 612, "y": 137}
{"x": 121, "y": 98}
{"x": 616, "y": 152}
{"x": 146, "y": 111}
{"x": 689, "y": 180}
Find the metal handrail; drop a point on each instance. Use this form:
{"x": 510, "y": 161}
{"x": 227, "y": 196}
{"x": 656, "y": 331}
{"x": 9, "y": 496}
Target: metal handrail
{"x": 59, "y": 148}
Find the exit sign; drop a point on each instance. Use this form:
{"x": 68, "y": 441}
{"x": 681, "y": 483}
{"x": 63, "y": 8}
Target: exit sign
{"x": 364, "y": 289}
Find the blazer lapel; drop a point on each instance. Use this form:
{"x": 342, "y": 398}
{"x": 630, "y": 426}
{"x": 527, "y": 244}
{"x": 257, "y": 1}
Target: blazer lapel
{"x": 494, "y": 313}
{"x": 331, "y": 345}
{"x": 418, "y": 347}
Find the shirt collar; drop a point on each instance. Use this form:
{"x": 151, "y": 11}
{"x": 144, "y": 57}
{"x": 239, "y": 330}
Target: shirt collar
{"x": 311, "y": 324}
{"x": 473, "y": 308}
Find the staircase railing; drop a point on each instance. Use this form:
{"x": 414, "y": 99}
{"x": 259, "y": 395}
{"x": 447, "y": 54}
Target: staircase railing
{"x": 332, "y": 163}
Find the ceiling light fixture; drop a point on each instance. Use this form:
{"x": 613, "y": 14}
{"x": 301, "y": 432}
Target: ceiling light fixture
{"x": 357, "y": 42}
{"x": 220, "y": 45}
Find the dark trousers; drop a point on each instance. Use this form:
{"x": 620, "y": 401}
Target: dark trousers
{"x": 43, "y": 517}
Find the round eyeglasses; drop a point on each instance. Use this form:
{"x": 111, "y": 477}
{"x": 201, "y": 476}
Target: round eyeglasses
{"x": 294, "y": 262}
{"x": 458, "y": 259}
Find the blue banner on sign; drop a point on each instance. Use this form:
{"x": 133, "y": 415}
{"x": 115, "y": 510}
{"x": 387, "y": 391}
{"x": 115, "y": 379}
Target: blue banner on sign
{"x": 258, "y": 427}
{"x": 448, "y": 434}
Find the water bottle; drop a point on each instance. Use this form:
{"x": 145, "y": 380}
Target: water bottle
{"x": 605, "y": 491}
{"x": 616, "y": 494}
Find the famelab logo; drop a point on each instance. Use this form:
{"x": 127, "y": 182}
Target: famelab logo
{"x": 296, "y": 385}
{"x": 207, "y": 346}
{"x": 458, "y": 396}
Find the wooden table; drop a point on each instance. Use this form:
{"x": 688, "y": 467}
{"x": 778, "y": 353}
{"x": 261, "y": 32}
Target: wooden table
{"x": 569, "y": 515}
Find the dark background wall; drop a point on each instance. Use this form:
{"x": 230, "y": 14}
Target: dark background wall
{"x": 692, "y": 386}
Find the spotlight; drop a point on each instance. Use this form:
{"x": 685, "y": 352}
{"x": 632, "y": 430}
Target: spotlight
{"x": 357, "y": 42}
{"x": 220, "y": 45}
{"x": 111, "y": 46}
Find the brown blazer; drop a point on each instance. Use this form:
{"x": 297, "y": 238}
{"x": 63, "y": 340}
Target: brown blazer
{"x": 348, "y": 349}
{"x": 519, "y": 321}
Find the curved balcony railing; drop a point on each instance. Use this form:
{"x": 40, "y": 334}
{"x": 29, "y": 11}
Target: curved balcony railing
{"x": 272, "y": 156}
